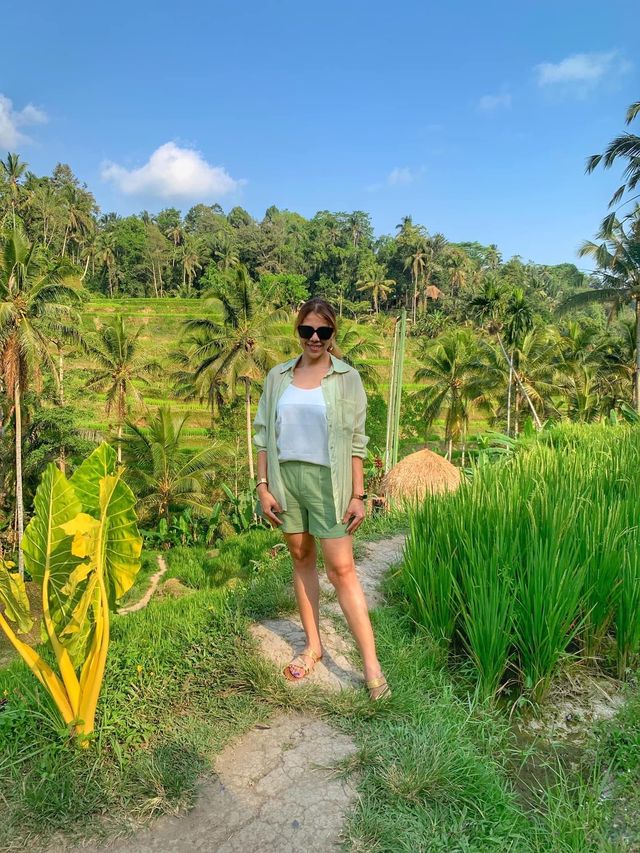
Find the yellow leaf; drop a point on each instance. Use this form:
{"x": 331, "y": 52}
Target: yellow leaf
{"x": 84, "y": 529}
{"x": 76, "y": 577}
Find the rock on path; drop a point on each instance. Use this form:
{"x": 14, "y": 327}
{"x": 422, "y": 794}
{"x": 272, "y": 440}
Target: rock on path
{"x": 274, "y": 790}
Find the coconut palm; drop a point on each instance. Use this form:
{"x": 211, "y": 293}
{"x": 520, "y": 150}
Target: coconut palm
{"x": 208, "y": 387}
{"x": 457, "y": 267}
{"x": 164, "y": 474}
{"x": 618, "y": 278}
{"x": 417, "y": 262}
{"x": 534, "y": 360}
{"x": 374, "y": 279}
{"x": 626, "y": 146}
{"x": 11, "y": 171}
{"x": 358, "y": 344}
{"x": 106, "y": 258}
{"x": 119, "y": 369}
{"x": 456, "y": 380}
{"x": 193, "y": 253}
{"x": 240, "y": 349}
{"x": 78, "y": 207}
{"x": 37, "y": 296}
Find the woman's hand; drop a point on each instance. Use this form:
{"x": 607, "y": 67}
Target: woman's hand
{"x": 355, "y": 512}
{"x": 270, "y": 506}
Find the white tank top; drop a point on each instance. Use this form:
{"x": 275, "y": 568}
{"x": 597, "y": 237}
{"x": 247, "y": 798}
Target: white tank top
{"x": 301, "y": 426}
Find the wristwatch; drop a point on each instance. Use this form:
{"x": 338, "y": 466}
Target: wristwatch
{"x": 360, "y": 497}
{"x": 261, "y": 481}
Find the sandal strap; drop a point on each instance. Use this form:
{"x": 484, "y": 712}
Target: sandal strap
{"x": 304, "y": 665}
{"x": 376, "y": 682}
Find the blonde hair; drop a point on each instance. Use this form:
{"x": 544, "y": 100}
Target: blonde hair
{"x": 317, "y": 305}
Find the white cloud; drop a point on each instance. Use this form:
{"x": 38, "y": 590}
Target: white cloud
{"x": 12, "y": 120}
{"x": 400, "y": 177}
{"x": 489, "y": 103}
{"x": 582, "y": 70}
{"x": 172, "y": 172}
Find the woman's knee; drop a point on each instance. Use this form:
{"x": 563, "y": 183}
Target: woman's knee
{"x": 302, "y": 551}
{"x": 341, "y": 573}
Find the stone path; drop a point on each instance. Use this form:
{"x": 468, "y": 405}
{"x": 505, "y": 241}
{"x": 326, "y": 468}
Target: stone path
{"x": 274, "y": 790}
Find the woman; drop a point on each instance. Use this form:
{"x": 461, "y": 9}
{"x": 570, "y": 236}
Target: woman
{"x": 309, "y": 432}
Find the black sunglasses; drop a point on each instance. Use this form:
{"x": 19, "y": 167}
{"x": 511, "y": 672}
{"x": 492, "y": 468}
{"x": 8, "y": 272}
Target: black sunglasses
{"x": 323, "y": 332}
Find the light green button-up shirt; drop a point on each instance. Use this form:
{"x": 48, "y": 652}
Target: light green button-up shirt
{"x": 346, "y": 404}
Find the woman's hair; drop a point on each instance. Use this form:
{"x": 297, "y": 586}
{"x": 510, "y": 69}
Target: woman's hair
{"x": 317, "y": 305}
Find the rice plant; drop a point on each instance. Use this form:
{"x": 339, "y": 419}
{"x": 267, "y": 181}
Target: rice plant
{"x": 535, "y": 558}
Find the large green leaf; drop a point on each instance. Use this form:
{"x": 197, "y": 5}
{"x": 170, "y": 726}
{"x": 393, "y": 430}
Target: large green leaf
{"x": 123, "y": 542}
{"x": 14, "y": 597}
{"x": 112, "y": 544}
{"x": 46, "y": 547}
{"x": 87, "y": 477}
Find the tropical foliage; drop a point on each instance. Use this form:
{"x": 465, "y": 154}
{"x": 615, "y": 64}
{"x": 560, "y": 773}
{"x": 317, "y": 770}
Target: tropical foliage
{"x": 82, "y": 547}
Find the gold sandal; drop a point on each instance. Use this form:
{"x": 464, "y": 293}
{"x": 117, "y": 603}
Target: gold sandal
{"x": 380, "y": 681}
{"x": 299, "y": 663}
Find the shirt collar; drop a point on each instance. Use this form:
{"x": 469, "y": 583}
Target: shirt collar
{"x": 337, "y": 365}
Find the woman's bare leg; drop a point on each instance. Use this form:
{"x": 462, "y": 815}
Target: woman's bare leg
{"x": 341, "y": 571}
{"x": 306, "y": 584}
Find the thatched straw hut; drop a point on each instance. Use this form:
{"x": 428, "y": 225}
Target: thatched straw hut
{"x": 418, "y": 474}
{"x": 432, "y": 292}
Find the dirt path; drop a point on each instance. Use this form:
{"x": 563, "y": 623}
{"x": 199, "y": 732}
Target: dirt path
{"x": 154, "y": 580}
{"x": 273, "y": 788}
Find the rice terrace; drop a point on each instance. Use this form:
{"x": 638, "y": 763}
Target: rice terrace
{"x": 319, "y": 469}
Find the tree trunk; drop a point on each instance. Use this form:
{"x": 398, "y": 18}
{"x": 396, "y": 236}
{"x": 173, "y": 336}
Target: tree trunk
{"x": 19, "y": 499}
{"x": 636, "y": 376}
{"x": 509, "y": 392}
{"x": 60, "y": 375}
{"x": 247, "y": 400}
{"x": 415, "y": 298}
{"x": 120, "y": 443}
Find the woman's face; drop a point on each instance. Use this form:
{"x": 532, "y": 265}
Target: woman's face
{"x": 314, "y": 347}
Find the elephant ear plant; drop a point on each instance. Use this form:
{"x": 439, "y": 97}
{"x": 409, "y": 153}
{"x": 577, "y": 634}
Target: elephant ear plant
{"x": 83, "y": 548}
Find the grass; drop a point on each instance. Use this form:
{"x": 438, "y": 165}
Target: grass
{"x": 437, "y": 768}
{"x": 535, "y": 560}
{"x": 440, "y": 769}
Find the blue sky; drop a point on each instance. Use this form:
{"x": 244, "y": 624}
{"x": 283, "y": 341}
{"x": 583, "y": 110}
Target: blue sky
{"x": 474, "y": 118}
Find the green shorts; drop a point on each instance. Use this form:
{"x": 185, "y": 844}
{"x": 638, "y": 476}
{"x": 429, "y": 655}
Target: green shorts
{"x": 309, "y": 495}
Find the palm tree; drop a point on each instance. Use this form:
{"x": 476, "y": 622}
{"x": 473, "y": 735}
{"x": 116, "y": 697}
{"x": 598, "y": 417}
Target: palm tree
{"x": 208, "y": 387}
{"x": 36, "y": 298}
{"x": 240, "y": 349}
{"x": 374, "y": 280}
{"x": 78, "y": 208}
{"x": 417, "y": 261}
{"x": 457, "y": 267}
{"x": 165, "y": 475}
{"x": 455, "y": 376}
{"x": 11, "y": 171}
{"x": 193, "y": 252}
{"x": 358, "y": 344}
{"x": 105, "y": 255}
{"x": 534, "y": 363}
{"x": 618, "y": 278}
{"x": 119, "y": 368}
{"x": 626, "y": 147}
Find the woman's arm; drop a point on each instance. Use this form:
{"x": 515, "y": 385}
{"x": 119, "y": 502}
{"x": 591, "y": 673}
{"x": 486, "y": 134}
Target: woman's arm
{"x": 267, "y": 501}
{"x": 354, "y": 515}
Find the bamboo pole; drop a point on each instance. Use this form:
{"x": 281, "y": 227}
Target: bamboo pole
{"x": 391, "y": 402}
